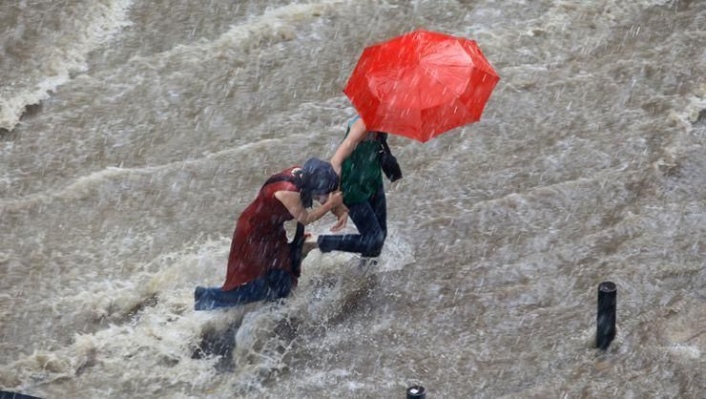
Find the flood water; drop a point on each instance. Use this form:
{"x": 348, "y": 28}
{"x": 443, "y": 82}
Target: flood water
{"x": 133, "y": 133}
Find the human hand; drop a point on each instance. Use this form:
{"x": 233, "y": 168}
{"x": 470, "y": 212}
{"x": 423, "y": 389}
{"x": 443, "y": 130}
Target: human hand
{"x": 341, "y": 223}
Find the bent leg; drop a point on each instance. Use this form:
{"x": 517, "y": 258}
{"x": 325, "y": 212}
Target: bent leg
{"x": 277, "y": 284}
{"x": 370, "y": 240}
{"x": 215, "y": 298}
{"x": 379, "y": 205}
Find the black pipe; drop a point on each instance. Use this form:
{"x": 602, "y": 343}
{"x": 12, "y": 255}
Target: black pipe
{"x": 16, "y": 395}
{"x": 416, "y": 392}
{"x": 605, "y": 320}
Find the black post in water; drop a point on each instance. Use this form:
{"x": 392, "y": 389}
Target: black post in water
{"x": 15, "y": 395}
{"x": 605, "y": 321}
{"x": 416, "y": 392}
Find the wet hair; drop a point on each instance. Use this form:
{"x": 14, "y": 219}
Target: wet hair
{"x": 317, "y": 177}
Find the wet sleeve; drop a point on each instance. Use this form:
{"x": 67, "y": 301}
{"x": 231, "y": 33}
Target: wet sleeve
{"x": 352, "y": 121}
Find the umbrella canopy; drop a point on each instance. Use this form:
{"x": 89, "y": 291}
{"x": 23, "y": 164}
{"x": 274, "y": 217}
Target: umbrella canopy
{"x": 421, "y": 84}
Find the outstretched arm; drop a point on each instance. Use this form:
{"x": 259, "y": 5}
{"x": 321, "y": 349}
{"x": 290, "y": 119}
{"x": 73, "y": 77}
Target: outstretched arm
{"x": 355, "y": 135}
{"x": 292, "y": 201}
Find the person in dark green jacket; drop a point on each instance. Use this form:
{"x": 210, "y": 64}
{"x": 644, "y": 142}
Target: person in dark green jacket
{"x": 357, "y": 163}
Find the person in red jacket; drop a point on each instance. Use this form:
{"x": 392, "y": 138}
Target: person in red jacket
{"x": 262, "y": 264}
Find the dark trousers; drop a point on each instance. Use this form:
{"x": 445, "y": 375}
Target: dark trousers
{"x": 277, "y": 284}
{"x": 370, "y": 217}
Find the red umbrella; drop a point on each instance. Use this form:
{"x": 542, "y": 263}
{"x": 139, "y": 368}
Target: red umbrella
{"x": 421, "y": 84}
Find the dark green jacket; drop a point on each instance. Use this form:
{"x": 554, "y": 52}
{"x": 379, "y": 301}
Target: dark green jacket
{"x": 361, "y": 175}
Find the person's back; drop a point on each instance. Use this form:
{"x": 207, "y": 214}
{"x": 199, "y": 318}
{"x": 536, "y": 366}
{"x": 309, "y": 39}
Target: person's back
{"x": 260, "y": 241}
{"x": 361, "y": 176}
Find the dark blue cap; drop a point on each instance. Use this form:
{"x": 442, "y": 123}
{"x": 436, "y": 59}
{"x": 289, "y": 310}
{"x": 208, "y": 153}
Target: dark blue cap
{"x": 319, "y": 177}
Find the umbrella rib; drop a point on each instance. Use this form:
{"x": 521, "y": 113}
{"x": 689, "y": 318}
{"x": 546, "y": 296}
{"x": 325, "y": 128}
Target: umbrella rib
{"x": 419, "y": 115}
